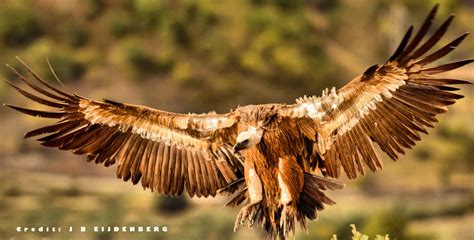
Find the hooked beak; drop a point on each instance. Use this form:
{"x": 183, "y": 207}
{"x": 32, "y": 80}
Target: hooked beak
{"x": 238, "y": 146}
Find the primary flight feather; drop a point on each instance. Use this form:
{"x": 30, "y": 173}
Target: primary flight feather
{"x": 267, "y": 155}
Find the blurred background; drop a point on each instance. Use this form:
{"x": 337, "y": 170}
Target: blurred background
{"x": 198, "y": 56}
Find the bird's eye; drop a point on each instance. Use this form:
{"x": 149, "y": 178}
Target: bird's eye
{"x": 245, "y": 141}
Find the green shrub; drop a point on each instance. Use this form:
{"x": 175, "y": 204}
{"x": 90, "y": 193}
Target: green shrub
{"x": 18, "y": 25}
{"x": 10, "y": 75}
{"x": 94, "y": 8}
{"x": 149, "y": 12}
{"x": 257, "y": 2}
{"x": 74, "y": 34}
{"x": 180, "y": 33}
{"x": 111, "y": 213}
{"x": 4, "y": 206}
{"x": 66, "y": 67}
{"x": 119, "y": 24}
{"x": 3, "y": 87}
{"x": 62, "y": 60}
{"x": 72, "y": 190}
{"x": 289, "y": 60}
{"x": 356, "y": 235}
{"x": 12, "y": 191}
{"x": 423, "y": 153}
{"x": 216, "y": 226}
{"x": 49, "y": 213}
{"x": 254, "y": 61}
{"x": 210, "y": 18}
{"x": 164, "y": 61}
{"x": 327, "y": 6}
{"x": 182, "y": 73}
{"x": 170, "y": 205}
{"x": 369, "y": 185}
{"x": 286, "y": 5}
{"x": 138, "y": 59}
{"x": 394, "y": 221}
{"x": 341, "y": 226}
{"x": 259, "y": 20}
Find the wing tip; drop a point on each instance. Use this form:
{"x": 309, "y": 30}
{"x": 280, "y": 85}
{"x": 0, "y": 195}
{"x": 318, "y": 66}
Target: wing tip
{"x": 463, "y": 36}
{"x": 466, "y": 62}
{"x": 28, "y": 135}
{"x": 19, "y": 59}
{"x": 12, "y": 85}
{"x": 403, "y": 44}
{"x": 16, "y": 108}
{"x": 448, "y": 21}
{"x": 433, "y": 12}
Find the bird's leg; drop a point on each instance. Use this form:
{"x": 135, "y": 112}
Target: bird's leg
{"x": 287, "y": 218}
{"x": 255, "y": 215}
{"x": 248, "y": 212}
{"x": 290, "y": 183}
{"x": 253, "y": 208}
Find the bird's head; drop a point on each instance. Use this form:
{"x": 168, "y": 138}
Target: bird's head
{"x": 248, "y": 138}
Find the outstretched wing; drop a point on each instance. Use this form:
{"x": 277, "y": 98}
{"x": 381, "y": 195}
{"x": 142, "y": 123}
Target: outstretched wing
{"x": 389, "y": 104}
{"x": 167, "y": 151}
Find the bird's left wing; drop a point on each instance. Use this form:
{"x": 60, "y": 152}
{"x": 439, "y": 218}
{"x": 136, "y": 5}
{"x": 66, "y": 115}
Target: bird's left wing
{"x": 389, "y": 104}
{"x": 169, "y": 152}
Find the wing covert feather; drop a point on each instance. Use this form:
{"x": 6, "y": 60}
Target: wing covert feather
{"x": 166, "y": 151}
{"x": 390, "y": 104}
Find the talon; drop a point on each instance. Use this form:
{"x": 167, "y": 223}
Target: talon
{"x": 248, "y": 212}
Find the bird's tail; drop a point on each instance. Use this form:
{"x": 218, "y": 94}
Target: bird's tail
{"x": 280, "y": 222}
{"x": 312, "y": 199}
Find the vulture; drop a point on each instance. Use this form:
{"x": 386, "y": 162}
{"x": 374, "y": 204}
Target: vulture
{"x": 277, "y": 160}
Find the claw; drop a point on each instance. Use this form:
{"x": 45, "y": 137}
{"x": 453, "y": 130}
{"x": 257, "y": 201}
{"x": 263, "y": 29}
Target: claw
{"x": 248, "y": 212}
{"x": 287, "y": 219}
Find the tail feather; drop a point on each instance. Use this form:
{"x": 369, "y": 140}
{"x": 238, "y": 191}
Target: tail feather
{"x": 312, "y": 198}
{"x": 280, "y": 222}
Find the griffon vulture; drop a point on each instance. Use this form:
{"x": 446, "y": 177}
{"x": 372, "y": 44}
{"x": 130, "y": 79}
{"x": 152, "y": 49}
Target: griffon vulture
{"x": 277, "y": 159}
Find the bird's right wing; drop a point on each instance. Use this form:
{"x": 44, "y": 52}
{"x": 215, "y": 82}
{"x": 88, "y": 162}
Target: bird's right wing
{"x": 389, "y": 104}
{"x": 167, "y": 151}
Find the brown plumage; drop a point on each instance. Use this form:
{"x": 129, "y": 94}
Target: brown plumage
{"x": 267, "y": 155}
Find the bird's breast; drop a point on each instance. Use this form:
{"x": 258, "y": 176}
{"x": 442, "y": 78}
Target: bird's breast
{"x": 266, "y": 171}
